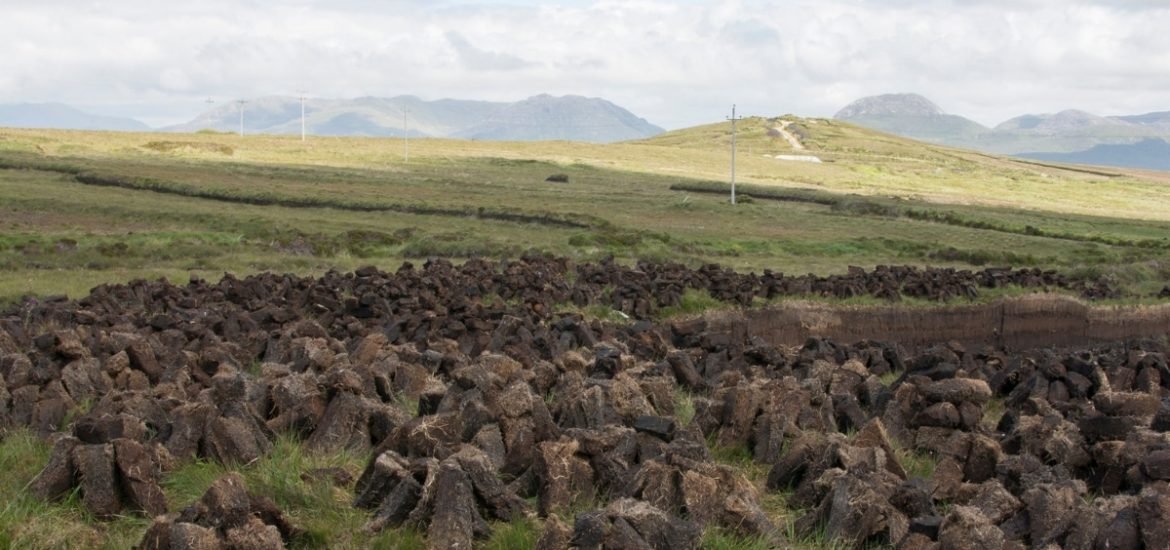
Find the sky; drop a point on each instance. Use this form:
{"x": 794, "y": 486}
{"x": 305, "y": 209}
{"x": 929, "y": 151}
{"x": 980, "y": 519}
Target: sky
{"x": 676, "y": 64}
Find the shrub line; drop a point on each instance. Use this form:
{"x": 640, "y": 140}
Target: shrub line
{"x": 146, "y": 184}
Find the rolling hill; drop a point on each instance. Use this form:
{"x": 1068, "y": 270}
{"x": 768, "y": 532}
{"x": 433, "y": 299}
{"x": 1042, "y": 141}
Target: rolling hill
{"x": 84, "y": 208}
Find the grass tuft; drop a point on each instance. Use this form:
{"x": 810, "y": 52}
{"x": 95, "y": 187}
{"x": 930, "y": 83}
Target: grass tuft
{"x": 684, "y": 406}
{"x": 916, "y": 463}
{"x": 993, "y": 412}
{"x": 519, "y": 533}
{"x": 693, "y": 302}
{"x": 723, "y": 539}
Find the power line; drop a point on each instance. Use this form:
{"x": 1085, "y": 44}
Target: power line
{"x": 302, "y": 117}
{"x": 733, "y": 118}
{"x": 241, "y": 102}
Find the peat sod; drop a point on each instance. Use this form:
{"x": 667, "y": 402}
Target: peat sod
{"x": 481, "y": 398}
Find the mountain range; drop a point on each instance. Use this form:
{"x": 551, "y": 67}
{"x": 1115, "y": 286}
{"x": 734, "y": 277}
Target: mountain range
{"x": 541, "y": 117}
{"x": 1134, "y": 141}
{"x": 1137, "y": 141}
{"x": 64, "y": 117}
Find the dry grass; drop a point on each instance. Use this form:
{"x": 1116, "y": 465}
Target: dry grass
{"x": 619, "y": 194}
{"x": 863, "y": 162}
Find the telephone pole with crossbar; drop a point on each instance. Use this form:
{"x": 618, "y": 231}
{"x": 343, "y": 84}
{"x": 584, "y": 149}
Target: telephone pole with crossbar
{"x": 733, "y": 119}
{"x": 302, "y": 117}
{"x": 242, "y": 102}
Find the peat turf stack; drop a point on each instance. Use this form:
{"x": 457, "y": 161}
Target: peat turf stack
{"x": 479, "y": 399}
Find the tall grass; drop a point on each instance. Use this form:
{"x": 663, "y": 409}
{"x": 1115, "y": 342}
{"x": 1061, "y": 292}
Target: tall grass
{"x": 29, "y": 522}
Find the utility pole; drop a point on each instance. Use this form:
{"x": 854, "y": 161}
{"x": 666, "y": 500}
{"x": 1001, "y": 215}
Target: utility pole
{"x": 209, "y": 102}
{"x": 241, "y": 102}
{"x": 405, "y": 137}
{"x": 733, "y": 119}
{"x": 302, "y": 117}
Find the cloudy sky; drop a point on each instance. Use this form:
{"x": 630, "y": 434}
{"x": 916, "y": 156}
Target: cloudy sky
{"x": 676, "y": 63}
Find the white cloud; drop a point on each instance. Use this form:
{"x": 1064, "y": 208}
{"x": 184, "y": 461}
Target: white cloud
{"x": 675, "y": 63}
{"x": 475, "y": 59}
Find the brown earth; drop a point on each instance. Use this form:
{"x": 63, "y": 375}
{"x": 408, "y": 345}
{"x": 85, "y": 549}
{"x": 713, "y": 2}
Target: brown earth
{"x": 1017, "y": 323}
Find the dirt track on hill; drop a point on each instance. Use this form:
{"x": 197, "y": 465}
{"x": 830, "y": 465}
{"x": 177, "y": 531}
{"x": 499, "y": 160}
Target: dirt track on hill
{"x": 791, "y": 139}
{"x": 1021, "y": 323}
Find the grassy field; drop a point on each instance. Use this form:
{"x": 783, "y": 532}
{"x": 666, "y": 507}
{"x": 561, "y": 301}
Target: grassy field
{"x": 81, "y": 208}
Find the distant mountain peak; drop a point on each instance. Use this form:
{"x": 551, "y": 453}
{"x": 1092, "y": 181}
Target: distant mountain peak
{"x": 890, "y": 105}
{"x": 1071, "y": 135}
{"x": 1075, "y": 113}
{"x": 910, "y": 115}
{"x": 570, "y": 117}
{"x": 1061, "y": 122}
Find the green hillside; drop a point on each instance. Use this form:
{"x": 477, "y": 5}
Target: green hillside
{"x": 81, "y": 208}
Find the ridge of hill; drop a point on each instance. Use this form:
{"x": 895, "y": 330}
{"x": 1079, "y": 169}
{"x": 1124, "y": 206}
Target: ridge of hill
{"x": 1070, "y": 121}
{"x": 363, "y": 116}
{"x": 538, "y": 118}
{"x": 59, "y": 116}
{"x": 890, "y": 104}
{"x": 1148, "y": 154}
{"x": 574, "y": 118}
